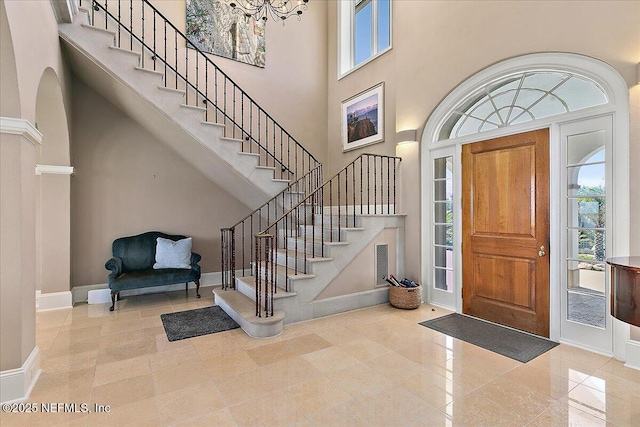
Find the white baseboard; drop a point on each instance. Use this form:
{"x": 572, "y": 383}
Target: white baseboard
{"x": 16, "y": 384}
{"x": 81, "y": 293}
{"x": 633, "y": 355}
{"x": 53, "y": 300}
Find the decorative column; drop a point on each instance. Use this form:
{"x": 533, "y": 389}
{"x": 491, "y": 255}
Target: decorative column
{"x": 19, "y": 355}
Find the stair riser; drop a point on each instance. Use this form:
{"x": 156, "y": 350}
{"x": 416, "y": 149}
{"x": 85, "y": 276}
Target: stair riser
{"x": 249, "y": 291}
{"x": 333, "y": 220}
{"x": 311, "y": 248}
{"x": 323, "y": 234}
{"x": 290, "y": 261}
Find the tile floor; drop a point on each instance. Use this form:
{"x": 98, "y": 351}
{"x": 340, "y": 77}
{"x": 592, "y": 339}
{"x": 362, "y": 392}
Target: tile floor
{"x": 372, "y": 367}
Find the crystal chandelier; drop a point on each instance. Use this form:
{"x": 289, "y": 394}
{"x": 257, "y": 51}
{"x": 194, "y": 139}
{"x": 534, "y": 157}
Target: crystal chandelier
{"x": 279, "y": 10}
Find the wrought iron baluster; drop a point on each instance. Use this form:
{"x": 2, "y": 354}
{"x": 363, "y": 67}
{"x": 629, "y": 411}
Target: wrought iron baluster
{"x": 130, "y": 25}
{"x": 143, "y": 44}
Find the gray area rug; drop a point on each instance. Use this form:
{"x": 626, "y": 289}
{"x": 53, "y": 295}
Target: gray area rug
{"x": 507, "y": 342}
{"x": 194, "y": 323}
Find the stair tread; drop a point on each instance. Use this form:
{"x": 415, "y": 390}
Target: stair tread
{"x": 326, "y": 242}
{"x": 170, "y": 89}
{"x": 123, "y": 50}
{"x": 251, "y": 282}
{"x": 246, "y": 307}
{"x": 194, "y": 107}
{"x": 102, "y": 30}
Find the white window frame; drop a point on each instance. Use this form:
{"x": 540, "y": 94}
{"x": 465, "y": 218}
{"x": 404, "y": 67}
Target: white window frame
{"x": 346, "y": 39}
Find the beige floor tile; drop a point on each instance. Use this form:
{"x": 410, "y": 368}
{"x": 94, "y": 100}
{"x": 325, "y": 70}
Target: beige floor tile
{"x": 155, "y": 311}
{"x": 119, "y": 326}
{"x": 127, "y": 351}
{"x": 560, "y": 415}
{"x": 338, "y": 335}
{"x": 270, "y": 410}
{"x": 189, "y": 402}
{"x": 60, "y": 347}
{"x": 566, "y": 368}
{"x": 394, "y": 366}
{"x": 243, "y": 387}
{"x": 170, "y": 359}
{"x": 617, "y": 368}
{"x": 70, "y": 362}
{"x": 363, "y": 348}
{"x": 270, "y": 353}
{"x": 467, "y": 372}
{"x": 474, "y": 410}
{"x": 213, "y": 345}
{"x": 78, "y": 334}
{"x": 73, "y": 386}
{"x": 219, "y": 418}
{"x": 623, "y": 412}
{"x": 229, "y": 364}
{"x": 338, "y": 416}
{"x": 316, "y": 396}
{"x": 579, "y": 355}
{"x": 521, "y": 400}
{"x": 434, "y": 389}
{"x": 188, "y": 374}
{"x": 613, "y": 384}
{"x": 307, "y": 344}
{"x": 121, "y": 370}
{"x": 426, "y": 351}
{"x": 142, "y": 413}
{"x": 542, "y": 381}
{"x": 119, "y": 393}
{"x": 359, "y": 379}
{"x": 151, "y": 322}
{"x": 330, "y": 359}
{"x": 391, "y": 406}
{"x": 122, "y": 316}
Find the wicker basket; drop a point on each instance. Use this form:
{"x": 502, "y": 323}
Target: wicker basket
{"x": 406, "y": 298}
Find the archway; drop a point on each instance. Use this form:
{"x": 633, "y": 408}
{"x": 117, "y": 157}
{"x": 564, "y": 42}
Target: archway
{"x": 438, "y": 144}
{"x": 53, "y": 217}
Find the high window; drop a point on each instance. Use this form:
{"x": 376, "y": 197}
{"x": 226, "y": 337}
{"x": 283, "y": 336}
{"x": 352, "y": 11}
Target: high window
{"x": 365, "y": 32}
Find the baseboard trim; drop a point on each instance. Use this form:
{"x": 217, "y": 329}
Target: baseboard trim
{"x": 16, "y": 384}
{"x": 633, "y": 355}
{"x": 81, "y": 293}
{"x": 53, "y": 300}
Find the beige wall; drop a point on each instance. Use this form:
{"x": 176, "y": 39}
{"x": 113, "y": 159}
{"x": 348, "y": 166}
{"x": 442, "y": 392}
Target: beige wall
{"x": 126, "y": 182}
{"x": 439, "y": 44}
{"x": 359, "y": 275}
{"x": 292, "y": 87}
{"x": 17, "y": 249}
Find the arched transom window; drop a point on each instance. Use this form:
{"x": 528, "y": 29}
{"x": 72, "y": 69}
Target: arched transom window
{"x": 521, "y": 98}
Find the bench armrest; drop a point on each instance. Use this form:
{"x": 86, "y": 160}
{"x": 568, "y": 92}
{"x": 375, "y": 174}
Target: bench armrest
{"x": 115, "y": 265}
{"x": 195, "y": 259}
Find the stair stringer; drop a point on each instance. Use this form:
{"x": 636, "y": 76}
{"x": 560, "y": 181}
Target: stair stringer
{"x": 114, "y": 73}
{"x": 342, "y": 255}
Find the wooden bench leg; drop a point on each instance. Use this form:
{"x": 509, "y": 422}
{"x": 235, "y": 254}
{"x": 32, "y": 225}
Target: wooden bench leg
{"x": 113, "y": 300}
{"x": 197, "y": 288}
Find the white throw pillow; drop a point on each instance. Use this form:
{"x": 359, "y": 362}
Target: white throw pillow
{"x": 170, "y": 254}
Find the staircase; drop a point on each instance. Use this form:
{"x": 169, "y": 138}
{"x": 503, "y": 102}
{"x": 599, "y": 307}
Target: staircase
{"x": 278, "y": 273}
{"x": 131, "y": 55}
{"x": 289, "y": 259}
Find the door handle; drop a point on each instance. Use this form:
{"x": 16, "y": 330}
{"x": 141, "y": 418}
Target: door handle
{"x": 541, "y": 252}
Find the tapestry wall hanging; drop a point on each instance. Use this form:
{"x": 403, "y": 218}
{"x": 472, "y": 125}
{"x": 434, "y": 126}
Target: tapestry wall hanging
{"x": 214, "y": 28}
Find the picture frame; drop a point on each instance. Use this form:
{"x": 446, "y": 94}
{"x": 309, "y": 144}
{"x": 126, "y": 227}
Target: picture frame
{"x": 363, "y": 118}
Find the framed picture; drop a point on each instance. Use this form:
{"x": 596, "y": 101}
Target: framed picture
{"x": 363, "y": 118}
{"x": 214, "y": 27}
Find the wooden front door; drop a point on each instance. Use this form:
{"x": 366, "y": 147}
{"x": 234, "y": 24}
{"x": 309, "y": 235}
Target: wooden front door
{"x": 505, "y": 231}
